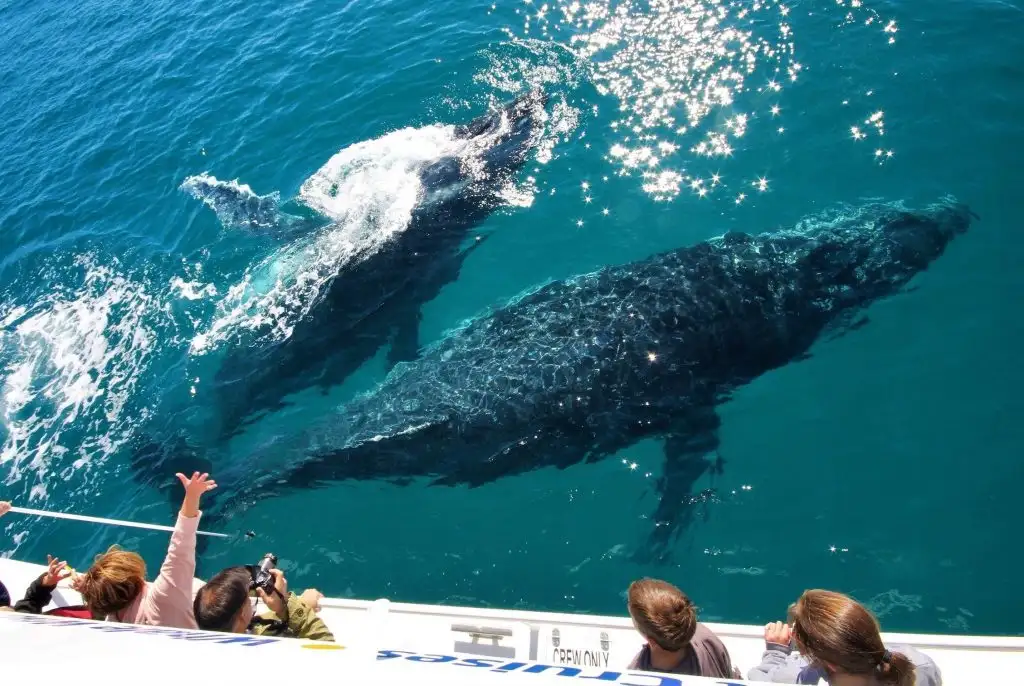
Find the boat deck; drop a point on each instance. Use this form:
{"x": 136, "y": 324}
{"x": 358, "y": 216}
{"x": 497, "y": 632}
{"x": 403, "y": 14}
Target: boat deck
{"x": 582, "y": 644}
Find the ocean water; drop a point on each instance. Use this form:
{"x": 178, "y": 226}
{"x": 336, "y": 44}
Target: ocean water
{"x": 886, "y": 465}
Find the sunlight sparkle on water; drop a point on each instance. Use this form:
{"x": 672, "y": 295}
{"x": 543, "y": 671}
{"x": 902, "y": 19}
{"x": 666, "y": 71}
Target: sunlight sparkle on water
{"x": 689, "y": 77}
{"x": 672, "y": 64}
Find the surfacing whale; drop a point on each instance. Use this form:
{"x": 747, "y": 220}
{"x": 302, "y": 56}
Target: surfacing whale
{"x": 579, "y": 369}
{"x": 368, "y": 267}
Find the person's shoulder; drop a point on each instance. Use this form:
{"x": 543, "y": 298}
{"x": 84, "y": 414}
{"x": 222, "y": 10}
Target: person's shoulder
{"x": 703, "y": 633}
{"x": 641, "y": 660}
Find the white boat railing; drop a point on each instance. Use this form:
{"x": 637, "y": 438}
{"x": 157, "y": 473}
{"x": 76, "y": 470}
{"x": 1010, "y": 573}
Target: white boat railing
{"x": 567, "y": 645}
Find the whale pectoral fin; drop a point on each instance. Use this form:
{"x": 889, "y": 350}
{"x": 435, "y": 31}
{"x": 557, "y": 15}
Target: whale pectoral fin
{"x": 691, "y": 451}
{"x": 238, "y": 206}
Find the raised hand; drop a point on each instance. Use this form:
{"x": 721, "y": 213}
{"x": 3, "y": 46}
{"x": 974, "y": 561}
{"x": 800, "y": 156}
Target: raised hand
{"x": 56, "y": 572}
{"x": 778, "y": 633}
{"x": 5, "y": 507}
{"x": 194, "y": 490}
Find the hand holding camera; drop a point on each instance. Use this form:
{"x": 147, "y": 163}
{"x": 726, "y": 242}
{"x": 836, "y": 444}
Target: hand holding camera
{"x": 275, "y": 595}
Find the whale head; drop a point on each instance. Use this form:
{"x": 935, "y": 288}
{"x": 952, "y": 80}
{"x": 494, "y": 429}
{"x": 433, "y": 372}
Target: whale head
{"x": 874, "y": 251}
{"x": 505, "y": 136}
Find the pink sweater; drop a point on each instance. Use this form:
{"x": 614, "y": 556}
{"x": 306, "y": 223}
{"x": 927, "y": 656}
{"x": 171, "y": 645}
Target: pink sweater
{"x": 168, "y": 600}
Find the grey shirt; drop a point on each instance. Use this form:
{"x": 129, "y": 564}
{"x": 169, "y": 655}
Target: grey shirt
{"x": 781, "y": 665}
{"x": 707, "y": 656}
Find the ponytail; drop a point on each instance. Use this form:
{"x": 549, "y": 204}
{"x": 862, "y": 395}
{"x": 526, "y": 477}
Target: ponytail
{"x": 834, "y": 629}
{"x": 896, "y": 669}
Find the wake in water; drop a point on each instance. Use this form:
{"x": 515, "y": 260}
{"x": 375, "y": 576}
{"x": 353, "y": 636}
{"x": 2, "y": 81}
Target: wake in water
{"x": 72, "y": 362}
{"x": 394, "y": 217}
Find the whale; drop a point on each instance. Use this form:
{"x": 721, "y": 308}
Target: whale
{"x": 575, "y": 370}
{"x": 371, "y": 266}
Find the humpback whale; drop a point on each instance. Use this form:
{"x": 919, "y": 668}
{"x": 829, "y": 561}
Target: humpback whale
{"x": 387, "y": 267}
{"x": 578, "y": 369}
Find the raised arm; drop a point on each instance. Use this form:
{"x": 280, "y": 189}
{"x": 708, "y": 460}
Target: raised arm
{"x": 179, "y": 567}
{"x": 40, "y": 591}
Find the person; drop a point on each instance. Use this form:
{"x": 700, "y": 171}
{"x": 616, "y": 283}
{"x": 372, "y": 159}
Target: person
{"x": 225, "y": 604}
{"x": 115, "y": 586}
{"x": 676, "y": 642}
{"x": 840, "y": 641}
{"x": 39, "y": 591}
{"x": 5, "y": 597}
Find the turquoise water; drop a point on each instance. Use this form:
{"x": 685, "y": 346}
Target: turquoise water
{"x": 885, "y": 466}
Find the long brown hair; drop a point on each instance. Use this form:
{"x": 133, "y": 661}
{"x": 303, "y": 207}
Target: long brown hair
{"x": 662, "y": 613}
{"x": 113, "y": 582}
{"x": 834, "y": 629}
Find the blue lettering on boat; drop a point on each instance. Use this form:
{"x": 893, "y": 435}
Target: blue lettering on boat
{"x": 621, "y": 678}
{"x": 113, "y": 628}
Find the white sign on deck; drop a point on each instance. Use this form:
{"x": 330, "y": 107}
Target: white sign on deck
{"x": 575, "y": 647}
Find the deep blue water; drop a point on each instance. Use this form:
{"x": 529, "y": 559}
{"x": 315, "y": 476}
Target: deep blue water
{"x": 887, "y": 465}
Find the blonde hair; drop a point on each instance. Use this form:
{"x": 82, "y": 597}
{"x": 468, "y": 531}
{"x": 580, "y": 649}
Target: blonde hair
{"x": 114, "y": 581}
{"x": 662, "y": 613}
{"x": 835, "y": 629}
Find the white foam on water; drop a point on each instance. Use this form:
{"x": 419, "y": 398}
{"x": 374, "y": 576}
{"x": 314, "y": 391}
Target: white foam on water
{"x": 192, "y": 290}
{"x": 70, "y": 364}
{"x": 369, "y": 191}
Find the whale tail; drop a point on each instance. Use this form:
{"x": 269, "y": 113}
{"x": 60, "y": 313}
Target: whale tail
{"x": 238, "y": 206}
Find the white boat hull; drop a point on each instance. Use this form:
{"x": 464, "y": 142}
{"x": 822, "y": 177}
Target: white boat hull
{"x": 390, "y": 642}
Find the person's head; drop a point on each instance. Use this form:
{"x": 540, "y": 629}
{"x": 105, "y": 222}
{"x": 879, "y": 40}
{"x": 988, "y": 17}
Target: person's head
{"x": 662, "y": 614}
{"x": 843, "y": 637}
{"x": 5, "y": 597}
{"x": 223, "y": 604}
{"x": 114, "y": 581}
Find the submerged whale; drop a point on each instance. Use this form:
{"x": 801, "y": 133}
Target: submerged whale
{"x": 376, "y": 234}
{"x": 579, "y": 369}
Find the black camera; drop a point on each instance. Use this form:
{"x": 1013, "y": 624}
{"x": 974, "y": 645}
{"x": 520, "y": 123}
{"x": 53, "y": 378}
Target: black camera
{"x": 261, "y": 576}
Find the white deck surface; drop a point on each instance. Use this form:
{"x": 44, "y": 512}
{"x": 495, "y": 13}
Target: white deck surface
{"x": 425, "y": 637}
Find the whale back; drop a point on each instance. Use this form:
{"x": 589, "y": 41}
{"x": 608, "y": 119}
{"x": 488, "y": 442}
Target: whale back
{"x": 579, "y": 368}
